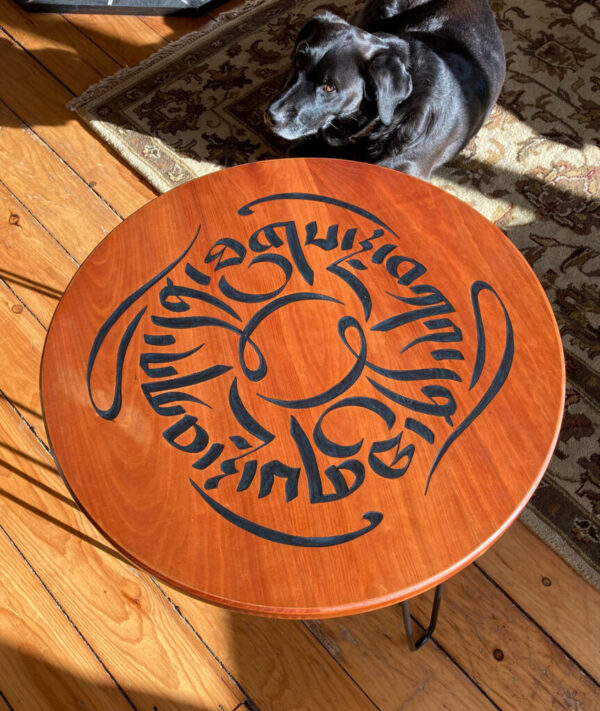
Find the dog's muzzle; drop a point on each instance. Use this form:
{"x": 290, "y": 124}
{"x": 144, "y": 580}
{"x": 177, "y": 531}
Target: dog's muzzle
{"x": 279, "y": 115}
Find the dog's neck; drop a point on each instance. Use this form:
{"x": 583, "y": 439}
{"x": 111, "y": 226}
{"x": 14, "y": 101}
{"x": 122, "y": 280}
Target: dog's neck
{"x": 343, "y": 131}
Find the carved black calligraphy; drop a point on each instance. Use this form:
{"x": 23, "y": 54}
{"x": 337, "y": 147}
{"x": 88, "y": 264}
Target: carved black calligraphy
{"x": 209, "y": 298}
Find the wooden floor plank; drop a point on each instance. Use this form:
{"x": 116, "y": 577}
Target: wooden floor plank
{"x": 58, "y": 45}
{"x": 51, "y": 191}
{"x": 125, "y": 38}
{"x": 38, "y": 282}
{"x": 43, "y": 107}
{"x": 277, "y": 662}
{"x": 21, "y": 342}
{"x": 550, "y": 591}
{"x": 515, "y": 663}
{"x": 68, "y": 675}
{"x": 373, "y": 650}
{"x": 131, "y": 626}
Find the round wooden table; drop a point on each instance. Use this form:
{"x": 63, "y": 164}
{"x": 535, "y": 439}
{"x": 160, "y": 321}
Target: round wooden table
{"x": 303, "y": 388}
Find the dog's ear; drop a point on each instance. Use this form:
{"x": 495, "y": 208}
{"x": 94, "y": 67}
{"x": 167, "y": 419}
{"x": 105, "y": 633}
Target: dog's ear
{"x": 391, "y": 81}
{"x": 319, "y": 23}
{"x": 305, "y": 32}
{"x": 301, "y": 48}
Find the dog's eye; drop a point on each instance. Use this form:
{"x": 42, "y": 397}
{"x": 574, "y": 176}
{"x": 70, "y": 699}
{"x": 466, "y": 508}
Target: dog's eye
{"x": 328, "y": 88}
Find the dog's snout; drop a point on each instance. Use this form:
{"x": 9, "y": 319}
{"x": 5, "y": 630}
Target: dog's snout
{"x": 279, "y": 114}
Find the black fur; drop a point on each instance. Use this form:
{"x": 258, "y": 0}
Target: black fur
{"x": 406, "y": 86}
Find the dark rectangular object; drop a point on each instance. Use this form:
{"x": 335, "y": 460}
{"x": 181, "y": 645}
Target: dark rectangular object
{"x": 121, "y": 7}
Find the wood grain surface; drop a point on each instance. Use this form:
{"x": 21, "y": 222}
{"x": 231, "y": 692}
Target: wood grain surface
{"x": 278, "y": 667}
{"x": 330, "y": 401}
{"x": 546, "y": 679}
{"x": 540, "y": 582}
{"x": 29, "y": 619}
{"x": 139, "y": 631}
{"x": 43, "y": 108}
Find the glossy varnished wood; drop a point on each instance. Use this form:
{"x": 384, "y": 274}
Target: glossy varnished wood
{"x": 282, "y": 534}
{"x": 276, "y": 662}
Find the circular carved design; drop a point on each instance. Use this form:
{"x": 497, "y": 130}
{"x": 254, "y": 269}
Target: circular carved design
{"x": 303, "y": 388}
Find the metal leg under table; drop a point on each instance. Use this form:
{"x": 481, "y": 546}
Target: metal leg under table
{"x": 414, "y": 645}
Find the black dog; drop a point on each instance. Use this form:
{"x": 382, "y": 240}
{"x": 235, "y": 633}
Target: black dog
{"x": 405, "y": 87}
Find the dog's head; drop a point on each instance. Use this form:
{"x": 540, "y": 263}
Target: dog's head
{"x": 336, "y": 69}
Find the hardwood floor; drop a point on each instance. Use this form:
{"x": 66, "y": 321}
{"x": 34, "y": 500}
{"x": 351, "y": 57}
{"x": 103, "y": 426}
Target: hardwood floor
{"x": 81, "y": 628}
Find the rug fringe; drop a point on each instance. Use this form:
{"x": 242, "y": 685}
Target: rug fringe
{"x": 127, "y": 75}
{"x": 153, "y": 177}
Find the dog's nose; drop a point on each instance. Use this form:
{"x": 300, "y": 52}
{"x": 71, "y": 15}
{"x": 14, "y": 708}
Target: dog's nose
{"x": 272, "y": 116}
{"x": 268, "y": 118}
{"x": 279, "y": 114}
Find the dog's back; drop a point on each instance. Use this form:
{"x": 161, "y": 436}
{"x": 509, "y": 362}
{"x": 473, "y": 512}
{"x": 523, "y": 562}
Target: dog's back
{"x": 462, "y": 38}
{"x": 455, "y": 29}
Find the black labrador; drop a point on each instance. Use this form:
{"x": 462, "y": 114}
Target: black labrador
{"x": 406, "y": 86}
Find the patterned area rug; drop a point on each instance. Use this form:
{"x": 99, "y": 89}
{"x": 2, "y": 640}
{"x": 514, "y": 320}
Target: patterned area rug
{"x": 534, "y": 170}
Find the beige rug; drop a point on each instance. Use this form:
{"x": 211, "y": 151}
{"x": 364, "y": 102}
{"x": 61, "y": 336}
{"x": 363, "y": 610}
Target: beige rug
{"x": 534, "y": 170}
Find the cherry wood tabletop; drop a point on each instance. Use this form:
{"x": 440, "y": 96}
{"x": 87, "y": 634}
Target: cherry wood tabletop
{"x": 303, "y": 388}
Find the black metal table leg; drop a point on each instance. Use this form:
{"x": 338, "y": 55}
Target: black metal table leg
{"x": 414, "y": 645}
